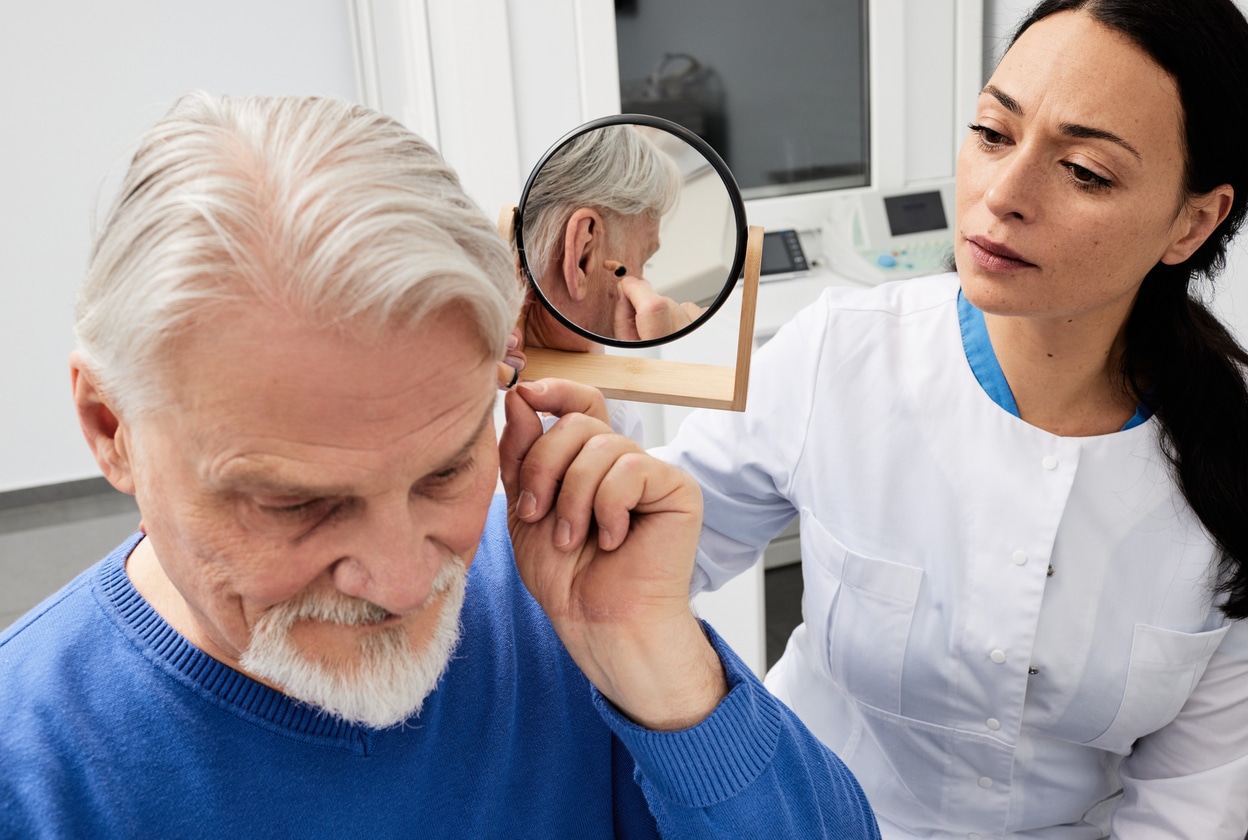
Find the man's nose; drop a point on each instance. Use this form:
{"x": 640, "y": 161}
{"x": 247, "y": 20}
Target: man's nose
{"x": 390, "y": 560}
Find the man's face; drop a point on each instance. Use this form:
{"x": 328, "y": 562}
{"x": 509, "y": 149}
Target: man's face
{"x": 318, "y": 484}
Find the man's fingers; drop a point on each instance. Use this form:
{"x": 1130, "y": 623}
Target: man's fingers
{"x": 534, "y": 464}
{"x": 522, "y": 428}
{"x": 562, "y": 397}
{"x": 585, "y": 491}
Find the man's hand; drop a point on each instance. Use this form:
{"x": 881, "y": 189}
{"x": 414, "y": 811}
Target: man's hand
{"x": 605, "y": 538}
{"x": 641, "y": 313}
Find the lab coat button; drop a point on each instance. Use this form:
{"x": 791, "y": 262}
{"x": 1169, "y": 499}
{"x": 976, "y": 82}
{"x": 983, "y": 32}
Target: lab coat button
{"x": 1031, "y": 672}
{"x": 993, "y": 724}
{"x": 1020, "y": 558}
{"x": 1049, "y": 462}
{"x": 997, "y": 656}
{"x": 985, "y": 782}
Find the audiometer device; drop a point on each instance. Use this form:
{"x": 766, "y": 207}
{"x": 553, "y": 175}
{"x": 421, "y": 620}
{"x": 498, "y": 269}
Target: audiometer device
{"x": 891, "y": 236}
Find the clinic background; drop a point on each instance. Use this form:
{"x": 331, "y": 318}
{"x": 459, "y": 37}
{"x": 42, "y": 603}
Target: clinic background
{"x": 82, "y": 80}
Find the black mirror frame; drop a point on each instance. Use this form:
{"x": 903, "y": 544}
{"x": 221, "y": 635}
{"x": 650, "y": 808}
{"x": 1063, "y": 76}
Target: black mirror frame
{"x": 734, "y": 197}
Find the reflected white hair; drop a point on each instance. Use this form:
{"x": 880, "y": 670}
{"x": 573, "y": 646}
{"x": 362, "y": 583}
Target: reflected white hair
{"x": 318, "y": 208}
{"x": 613, "y": 169}
{"x": 387, "y": 681}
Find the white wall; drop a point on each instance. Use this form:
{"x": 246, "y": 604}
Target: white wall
{"x": 81, "y": 79}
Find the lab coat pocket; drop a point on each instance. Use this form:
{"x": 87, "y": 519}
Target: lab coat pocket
{"x": 859, "y": 609}
{"x": 1165, "y": 667}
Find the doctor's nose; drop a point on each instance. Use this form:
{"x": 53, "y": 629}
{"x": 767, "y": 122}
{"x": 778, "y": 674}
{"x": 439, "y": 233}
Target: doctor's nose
{"x": 1011, "y": 189}
{"x": 391, "y": 561}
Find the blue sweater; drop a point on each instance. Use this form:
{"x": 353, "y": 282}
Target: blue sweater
{"x": 113, "y": 725}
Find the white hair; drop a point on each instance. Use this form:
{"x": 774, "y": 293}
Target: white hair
{"x": 614, "y": 168}
{"x": 318, "y": 208}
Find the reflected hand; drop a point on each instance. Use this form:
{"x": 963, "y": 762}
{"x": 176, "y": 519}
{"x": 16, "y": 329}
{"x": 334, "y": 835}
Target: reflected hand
{"x": 642, "y": 314}
{"x": 605, "y": 537}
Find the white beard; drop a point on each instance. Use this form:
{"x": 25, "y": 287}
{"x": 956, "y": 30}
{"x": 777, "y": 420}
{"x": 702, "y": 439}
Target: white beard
{"x": 388, "y": 681}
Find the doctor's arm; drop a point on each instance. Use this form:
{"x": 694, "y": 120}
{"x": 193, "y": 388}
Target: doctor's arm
{"x": 604, "y": 537}
{"x": 1190, "y": 778}
{"x": 745, "y": 461}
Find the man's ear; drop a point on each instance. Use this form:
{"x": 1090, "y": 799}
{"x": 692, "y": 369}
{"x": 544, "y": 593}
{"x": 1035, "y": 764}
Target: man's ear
{"x": 1198, "y": 219}
{"x": 107, "y": 435}
{"x": 581, "y": 237}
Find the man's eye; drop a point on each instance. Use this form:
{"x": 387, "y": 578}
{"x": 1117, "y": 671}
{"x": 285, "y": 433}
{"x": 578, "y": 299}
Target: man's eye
{"x": 450, "y": 473}
{"x": 294, "y": 509}
{"x": 447, "y": 479}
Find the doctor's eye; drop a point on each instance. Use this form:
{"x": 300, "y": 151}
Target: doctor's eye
{"x": 1086, "y": 179}
{"x": 988, "y": 138}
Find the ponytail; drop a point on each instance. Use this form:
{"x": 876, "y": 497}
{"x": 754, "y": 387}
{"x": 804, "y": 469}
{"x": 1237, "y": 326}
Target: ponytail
{"x": 1182, "y": 363}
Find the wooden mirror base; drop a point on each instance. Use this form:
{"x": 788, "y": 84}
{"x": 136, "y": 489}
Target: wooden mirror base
{"x": 662, "y": 381}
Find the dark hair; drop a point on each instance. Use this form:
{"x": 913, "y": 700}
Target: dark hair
{"x": 1180, "y": 360}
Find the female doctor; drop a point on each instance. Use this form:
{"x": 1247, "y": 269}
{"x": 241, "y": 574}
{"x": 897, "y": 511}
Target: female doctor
{"x": 1023, "y": 487}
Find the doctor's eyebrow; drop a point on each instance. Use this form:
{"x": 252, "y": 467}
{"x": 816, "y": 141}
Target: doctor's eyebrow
{"x": 1008, "y": 102}
{"x": 1082, "y": 132}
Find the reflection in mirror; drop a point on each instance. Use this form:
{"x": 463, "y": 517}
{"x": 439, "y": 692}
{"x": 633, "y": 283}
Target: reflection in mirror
{"x": 630, "y": 234}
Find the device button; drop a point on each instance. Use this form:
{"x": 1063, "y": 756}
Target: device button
{"x": 886, "y": 260}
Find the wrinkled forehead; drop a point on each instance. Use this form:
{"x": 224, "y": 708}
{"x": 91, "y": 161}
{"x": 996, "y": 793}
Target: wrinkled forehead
{"x": 264, "y": 359}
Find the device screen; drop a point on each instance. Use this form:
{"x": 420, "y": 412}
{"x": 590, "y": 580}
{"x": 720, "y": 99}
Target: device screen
{"x": 782, "y": 253}
{"x": 914, "y": 213}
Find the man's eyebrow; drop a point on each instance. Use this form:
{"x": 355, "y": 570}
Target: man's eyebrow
{"x": 472, "y": 439}
{"x": 260, "y": 481}
{"x": 1012, "y": 105}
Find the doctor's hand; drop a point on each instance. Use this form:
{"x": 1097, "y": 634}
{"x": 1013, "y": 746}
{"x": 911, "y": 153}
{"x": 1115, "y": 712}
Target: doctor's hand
{"x": 605, "y": 538}
{"x": 641, "y": 313}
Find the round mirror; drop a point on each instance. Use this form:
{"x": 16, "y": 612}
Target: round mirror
{"x": 631, "y": 231}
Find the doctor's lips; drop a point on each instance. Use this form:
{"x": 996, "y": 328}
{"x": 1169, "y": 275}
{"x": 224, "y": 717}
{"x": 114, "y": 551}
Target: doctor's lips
{"x": 994, "y": 256}
{"x": 616, "y": 268}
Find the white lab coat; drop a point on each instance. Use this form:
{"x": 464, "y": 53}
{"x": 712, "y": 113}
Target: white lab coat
{"x": 930, "y": 518}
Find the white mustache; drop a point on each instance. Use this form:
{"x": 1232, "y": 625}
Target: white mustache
{"x": 336, "y": 608}
{"x": 387, "y": 681}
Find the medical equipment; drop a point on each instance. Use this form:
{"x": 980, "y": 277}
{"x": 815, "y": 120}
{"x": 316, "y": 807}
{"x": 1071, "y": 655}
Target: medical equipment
{"x": 783, "y": 256}
{"x": 878, "y": 236}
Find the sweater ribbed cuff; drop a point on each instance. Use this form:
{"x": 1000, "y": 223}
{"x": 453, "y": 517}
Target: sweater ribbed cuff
{"x": 721, "y": 756}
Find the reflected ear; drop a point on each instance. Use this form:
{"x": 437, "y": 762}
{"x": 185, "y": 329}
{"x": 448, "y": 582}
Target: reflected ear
{"x": 106, "y": 433}
{"x": 581, "y": 236}
{"x": 1198, "y": 219}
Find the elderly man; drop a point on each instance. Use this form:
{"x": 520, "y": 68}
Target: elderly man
{"x": 289, "y": 335}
